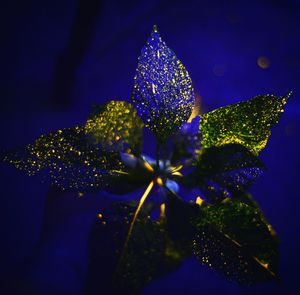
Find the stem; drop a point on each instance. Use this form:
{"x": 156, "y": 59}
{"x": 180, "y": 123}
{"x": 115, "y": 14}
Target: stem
{"x": 157, "y": 154}
{"x": 165, "y": 155}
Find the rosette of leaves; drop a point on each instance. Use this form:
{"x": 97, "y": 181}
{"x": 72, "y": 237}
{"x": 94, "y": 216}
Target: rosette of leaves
{"x": 198, "y": 177}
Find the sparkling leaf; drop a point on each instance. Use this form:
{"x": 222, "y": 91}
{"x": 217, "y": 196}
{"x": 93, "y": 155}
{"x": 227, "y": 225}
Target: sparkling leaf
{"x": 87, "y": 158}
{"x": 234, "y": 239}
{"x": 163, "y": 92}
{"x": 115, "y": 127}
{"x": 69, "y": 161}
{"x": 224, "y": 171}
{"x": 248, "y": 123}
{"x": 67, "y": 158}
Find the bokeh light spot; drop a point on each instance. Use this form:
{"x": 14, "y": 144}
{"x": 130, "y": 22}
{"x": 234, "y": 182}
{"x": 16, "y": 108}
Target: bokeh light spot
{"x": 263, "y": 62}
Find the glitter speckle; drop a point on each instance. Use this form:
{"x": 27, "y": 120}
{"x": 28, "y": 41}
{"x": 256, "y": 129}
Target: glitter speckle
{"x": 116, "y": 127}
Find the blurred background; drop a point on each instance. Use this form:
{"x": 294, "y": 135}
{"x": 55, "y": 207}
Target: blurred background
{"x": 60, "y": 57}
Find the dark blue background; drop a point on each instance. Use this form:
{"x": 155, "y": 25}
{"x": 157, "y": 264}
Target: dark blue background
{"x": 59, "y": 57}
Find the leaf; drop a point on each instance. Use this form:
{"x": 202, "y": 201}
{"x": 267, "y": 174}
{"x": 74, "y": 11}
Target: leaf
{"x": 115, "y": 126}
{"x": 69, "y": 161}
{"x": 149, "y": 253}
{"x": 234, "y": 239}
{"x": 163, "y": 92}
{"x": 186, "y": 143}
{"x": 224, "y": 171}
{"x": 179, "y": 215}
{"x": 87, "y": 158}
{"x": 247, "y": 123}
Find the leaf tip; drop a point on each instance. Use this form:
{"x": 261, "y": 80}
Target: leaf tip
{"x": 155, "y": 37}
{"x": 154, "y": 29}
{"x": 289, "y": 94}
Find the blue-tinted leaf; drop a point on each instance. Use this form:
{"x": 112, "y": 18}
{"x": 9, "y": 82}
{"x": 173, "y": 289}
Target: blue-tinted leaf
{"x": 223, "y": 171}
{"x": 186, "y": 143}
{"x": 163, "y": 92}
{"x": 148, "y": 255}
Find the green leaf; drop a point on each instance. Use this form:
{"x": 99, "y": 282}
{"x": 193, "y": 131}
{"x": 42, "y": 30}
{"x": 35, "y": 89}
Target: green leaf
{"x": 235, "y": 239}
{"x": 148, "y": 255}
{"x": 115, "y": 126}
{"x": 248, "y": 123}
{"x": 163, "y": 92}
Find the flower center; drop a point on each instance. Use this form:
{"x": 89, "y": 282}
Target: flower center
{"x": 164, "y": 174}
{"x": 163, "y": 169}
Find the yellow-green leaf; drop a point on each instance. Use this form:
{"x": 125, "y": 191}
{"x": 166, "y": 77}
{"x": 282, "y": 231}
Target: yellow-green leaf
{"x": 248, "y": 123}
{"x": 116, "y": 127}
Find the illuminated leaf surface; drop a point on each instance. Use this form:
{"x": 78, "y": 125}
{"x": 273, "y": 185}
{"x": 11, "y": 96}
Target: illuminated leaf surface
{"x": 67, "y": 158}
{"x": 163, "y": 92}
{"x": 87, "y": 158}
{"x": 70, "y": 161}
{"x": 115, "y": 127}
{"x": 234, "y": 239}
{"x": 248, "y": 123}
